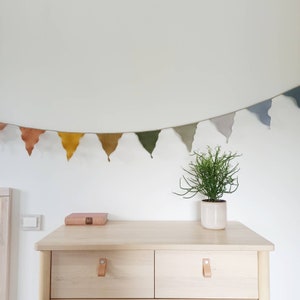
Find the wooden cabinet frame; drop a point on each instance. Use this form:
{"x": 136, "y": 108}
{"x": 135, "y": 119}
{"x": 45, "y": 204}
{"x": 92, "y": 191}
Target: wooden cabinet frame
{"x": 5, "y": 237}
{"x": 155, "y": 236}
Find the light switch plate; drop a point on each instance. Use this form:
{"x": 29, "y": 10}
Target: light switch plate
{"x": 31, "y": 222}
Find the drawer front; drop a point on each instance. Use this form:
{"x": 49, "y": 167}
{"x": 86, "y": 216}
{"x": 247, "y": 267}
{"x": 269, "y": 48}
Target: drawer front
{"x": 128, "y": 274}
{"x": 185, "y": 274}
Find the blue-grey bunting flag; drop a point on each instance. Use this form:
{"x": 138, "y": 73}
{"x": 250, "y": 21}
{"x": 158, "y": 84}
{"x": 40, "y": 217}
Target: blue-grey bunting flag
{"x": 295, "y": 93}
{"x": 261, "y": 110}
{"x": 224, "y": 124}
{"x": 187, "y": 133}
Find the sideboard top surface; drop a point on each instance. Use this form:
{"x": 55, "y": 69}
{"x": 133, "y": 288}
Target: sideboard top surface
{"x": 153, "y": 235}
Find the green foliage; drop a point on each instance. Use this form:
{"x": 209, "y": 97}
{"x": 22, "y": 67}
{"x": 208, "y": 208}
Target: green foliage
{"x": 210, "y": 174}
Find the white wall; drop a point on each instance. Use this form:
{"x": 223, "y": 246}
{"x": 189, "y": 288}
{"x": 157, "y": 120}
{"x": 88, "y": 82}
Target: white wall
{"x": 134, "y": 186}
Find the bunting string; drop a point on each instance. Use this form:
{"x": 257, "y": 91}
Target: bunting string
{"x": 148, "y": 139}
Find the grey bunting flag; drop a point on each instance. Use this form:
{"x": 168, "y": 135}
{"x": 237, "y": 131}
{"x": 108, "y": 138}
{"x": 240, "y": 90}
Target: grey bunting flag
{"x": 224, "y": 124}
{"x": 262, "y": 111}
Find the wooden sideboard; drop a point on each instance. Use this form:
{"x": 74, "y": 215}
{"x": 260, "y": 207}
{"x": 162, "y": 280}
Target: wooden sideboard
{"x": 154, "y": 259}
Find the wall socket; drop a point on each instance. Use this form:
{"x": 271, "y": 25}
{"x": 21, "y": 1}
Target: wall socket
{"x": 31, "y": 222}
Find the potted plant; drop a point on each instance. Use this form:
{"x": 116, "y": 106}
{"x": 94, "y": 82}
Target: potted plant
{"x": 211, "y": 174}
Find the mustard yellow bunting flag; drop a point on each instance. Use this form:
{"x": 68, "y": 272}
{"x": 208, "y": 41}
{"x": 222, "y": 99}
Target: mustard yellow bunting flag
{"x": 109, "y": 142}
{"x": 2, "y": 125}
{"x": 30, "y": 136}
{"x": 148, "y": 139}
{"x": 70, "y": 142}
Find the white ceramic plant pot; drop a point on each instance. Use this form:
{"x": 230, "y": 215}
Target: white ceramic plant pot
{"x": 213, "y": 214}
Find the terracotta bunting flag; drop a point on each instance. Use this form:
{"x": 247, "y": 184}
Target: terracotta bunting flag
{"x": 109, "y": 142}
{"x": 30, "y": 136}
{"x": 261, "y": 110}
{"x": 224, "y": 124}
{"x": 70, "y": 142}
{"x": 295, "y": 93}
{"x": 2, "y": 126}
{"x": 187, "y": 133}
{"x": 148, "y": 139}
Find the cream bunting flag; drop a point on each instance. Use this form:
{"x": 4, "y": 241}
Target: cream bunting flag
{"x": 30, "y": 136}
{"x": 109, "y": 142}
{"x": 224, "y": 124}
{"x": 70, "y": 142}
{"x": 187, "y": 133}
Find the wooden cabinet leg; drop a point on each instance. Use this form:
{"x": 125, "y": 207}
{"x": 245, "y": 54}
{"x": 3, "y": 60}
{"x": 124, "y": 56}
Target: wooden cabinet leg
{"x": 45, "y": 275}
{"x": 263, "y": 275}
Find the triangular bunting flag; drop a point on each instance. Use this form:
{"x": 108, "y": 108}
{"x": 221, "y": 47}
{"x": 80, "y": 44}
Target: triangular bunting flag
{"x": 224, "y": 124}
{"x": 261, "y": 110}
{"x": 70, "y": 142}
{"x": 187, "y": 133}
{"x": 109, "y": 142}
{"x": 295, "y": 93}
{"x": 148, "y": 139}
{"x": 2, "y": 126}
{"x": 30, "y": 136}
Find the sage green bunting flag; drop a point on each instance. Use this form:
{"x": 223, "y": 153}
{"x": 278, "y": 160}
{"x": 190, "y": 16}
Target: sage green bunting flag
{"x": 109, "y": 142}
{"x": 148, "y": 139}
{"x": 30, "y": 136}
{"x": 187, "y": 133}
{"x": 224, "y": 124}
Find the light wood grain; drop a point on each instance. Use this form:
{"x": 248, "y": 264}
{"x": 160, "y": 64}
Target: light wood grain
{"x": 136, "y": 235}
{"x": 129, "y": 274}
{"x": 263, "y": 275}
{"x": 161, "y": 259}
{"x": 179, "y": 274}
{"x": 5, "y": 238}
{"x": 45, "y": 275}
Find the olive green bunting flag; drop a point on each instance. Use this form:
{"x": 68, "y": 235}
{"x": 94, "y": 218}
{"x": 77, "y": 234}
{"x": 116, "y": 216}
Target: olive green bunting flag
{"x": 109, "y": 142}
{"x": 295, "y": 93}
{"x": 261, "y": 110}
{"x": 148, "y": 139}
{"x": 187, "y": 133}
{"x": 30, "y": 136}
{"x": 224, "y": 124}
{"x": 70, "y": 142}
{"x": 2, "y": 126}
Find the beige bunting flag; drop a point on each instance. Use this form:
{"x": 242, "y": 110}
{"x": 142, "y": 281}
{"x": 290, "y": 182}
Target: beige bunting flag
{"x": 187, "y": 133}
{"x": 70, "y": 142}
{"x": 30, "y": 136}
{"x": 224, "y": 124}
{"x": 109, "y": 142}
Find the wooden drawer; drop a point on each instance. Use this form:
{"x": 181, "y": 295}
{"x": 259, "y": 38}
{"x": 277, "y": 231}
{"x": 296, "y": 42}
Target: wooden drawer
{"x": 129, "y": 274}
{"x": 179, "y": 274}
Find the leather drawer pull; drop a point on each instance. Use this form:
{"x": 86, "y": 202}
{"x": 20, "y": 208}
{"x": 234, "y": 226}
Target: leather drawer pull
{"x": 206, "y": 270}
{"x": 102, "y": 267}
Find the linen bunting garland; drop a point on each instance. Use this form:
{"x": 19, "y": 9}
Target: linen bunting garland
{"x": 148, "y": 139}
